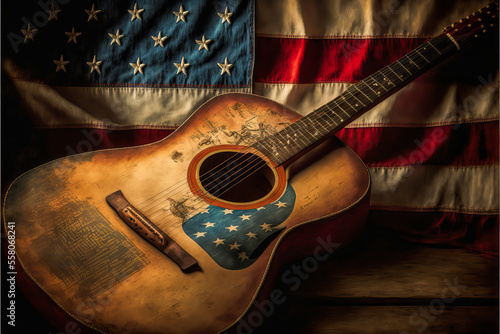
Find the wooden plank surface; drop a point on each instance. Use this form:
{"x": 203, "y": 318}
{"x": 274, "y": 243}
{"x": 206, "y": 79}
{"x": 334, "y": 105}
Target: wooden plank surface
{"x": 384, "y": 319}
{"x": 384, "y": 284}
{"x": 380, "y": 284}
{"x": 388, "y": 267}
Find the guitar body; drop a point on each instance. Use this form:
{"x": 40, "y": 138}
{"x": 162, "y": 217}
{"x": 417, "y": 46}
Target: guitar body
{"x": 80, "y": 255}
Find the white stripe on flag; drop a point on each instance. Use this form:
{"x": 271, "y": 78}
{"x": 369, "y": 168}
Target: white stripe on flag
{"x": 120, "y": 107}
{"x": 475, "y": 103}
{"x": 359, "y": 17}
{"x": 440, "y": 188}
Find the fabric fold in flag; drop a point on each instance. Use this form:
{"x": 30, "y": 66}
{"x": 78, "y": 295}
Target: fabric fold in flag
{"x": 88, "y": 76}
{"x": 432, "y": 148}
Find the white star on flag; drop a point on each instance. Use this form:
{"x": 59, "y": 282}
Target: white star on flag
{"x": 227, "y": 212}
{"x": 28, "y": 33}
{"x": 53, "y": 13}
{"x": 234, "y": 246}
{"x": 136, "y": 13}
{"x": 208, "y": 224}
{"x": 225, "y": 16}
{"x": 181, "y": 14}
{"x": 61, "y": 64}
{"x": 251, "y": 235}
{"x": 243, "y": 256}
{"x": 200, "y": 234}
{"x": 159, "y": 40}
{"x": 182, "y": 66}
{"x": 245, "y": 217}
{"x": 94, "y": 65}
{"x": 225, "y": 67}
{"x": 219, "y": 242}
{"x": 116, "y": 38}
{"x": 232, "y": 228}
{"x": 280, "y": 204}
{"x": 203, "y": 43}
{"x": 72, "y": 35}
{"x": 266, "y": 227}
{"x": 92, "y": 13}
{"x": 138, "y": 66}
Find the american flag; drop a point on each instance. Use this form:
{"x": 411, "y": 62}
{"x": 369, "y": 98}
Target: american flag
{"x": 232, "y": 237}
{"x": 98, "y": 74}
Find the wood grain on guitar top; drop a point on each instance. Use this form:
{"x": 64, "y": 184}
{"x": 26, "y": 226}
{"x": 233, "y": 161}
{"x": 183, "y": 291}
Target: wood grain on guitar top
{"x": 75, "y": 247}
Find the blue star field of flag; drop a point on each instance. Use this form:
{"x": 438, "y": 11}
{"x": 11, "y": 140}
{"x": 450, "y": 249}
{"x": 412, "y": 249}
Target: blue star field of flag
{"x": 187, "y": 43}
{"x": 231, "y": 237}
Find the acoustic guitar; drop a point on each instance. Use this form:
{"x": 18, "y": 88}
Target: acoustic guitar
{"x": 186, "y": 235}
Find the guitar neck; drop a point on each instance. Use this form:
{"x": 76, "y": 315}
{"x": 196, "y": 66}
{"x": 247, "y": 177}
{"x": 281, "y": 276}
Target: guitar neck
{"x": 355, "y": 101}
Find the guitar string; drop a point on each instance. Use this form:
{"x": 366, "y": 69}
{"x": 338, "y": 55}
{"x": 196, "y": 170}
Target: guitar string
{"x": 318, "y": 116}
{"x": 444, "y": 50}
{"x": 178, "y": 227}
{"x": 323, "y": 115}
{"x": 408, "y": 56}
{"x": 319, "y": 123}
{"x": 222, "y": 163}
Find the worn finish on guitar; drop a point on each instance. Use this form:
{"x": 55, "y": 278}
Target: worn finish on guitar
{"x": 76, "y": 249}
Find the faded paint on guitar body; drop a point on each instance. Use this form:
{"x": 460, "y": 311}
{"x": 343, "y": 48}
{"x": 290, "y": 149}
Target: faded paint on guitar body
{"x": 75, "y": 247}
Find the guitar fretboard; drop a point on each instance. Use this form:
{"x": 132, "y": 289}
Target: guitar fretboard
{"x": 355, "y": 101}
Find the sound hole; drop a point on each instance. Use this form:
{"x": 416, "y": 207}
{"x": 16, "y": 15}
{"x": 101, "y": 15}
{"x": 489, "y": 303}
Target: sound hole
{"x": 236, "y": 177}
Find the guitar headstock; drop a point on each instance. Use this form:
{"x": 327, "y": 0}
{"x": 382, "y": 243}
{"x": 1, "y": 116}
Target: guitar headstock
{"x": 475, "y": 25}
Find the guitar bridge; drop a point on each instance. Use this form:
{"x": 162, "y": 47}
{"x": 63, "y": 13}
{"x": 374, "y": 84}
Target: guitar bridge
{"x": 149, "y": 231}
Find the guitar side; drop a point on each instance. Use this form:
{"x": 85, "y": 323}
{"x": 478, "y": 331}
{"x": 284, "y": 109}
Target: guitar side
{"x": 74, "y": 247}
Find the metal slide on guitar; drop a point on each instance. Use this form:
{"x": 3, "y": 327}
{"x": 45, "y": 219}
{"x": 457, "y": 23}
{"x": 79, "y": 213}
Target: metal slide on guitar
{"x": 184, "y": 235}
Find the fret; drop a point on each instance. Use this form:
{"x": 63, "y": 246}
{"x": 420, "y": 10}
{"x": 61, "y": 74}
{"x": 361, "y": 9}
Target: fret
{"x": 294, "y": 143}
{"x": 262, "y": 147}
{"x": 284, "y": 134}
{"x": 276, "y": 150}
{"x": 429, "y": 53}
{"x": 287, "y": 138}
{"x": 318, "y": 133}
{"x": 429, "y": 42}
{"x": 378, "y": 82}
{"x": 421, "y": 55}
{"x": 355, "y": 86}
{"x": 310, "y": 129}
{"x": 345, "y": 112}
{"x": 282, "y": 151}
{"x": 386, "y": 78}
{"x": 298, "y": 132}
{"x": 261, "y": 143}
{"x": 412, "y": 62}
{"x": 323, "y": 120}
{"x": 347, "y": 91}
{"x": 290, "y": 140}
{"x": 335, "y": 113}
{"x": 272, "y": 146}
{"x": 329, "y": 117}
{"x": 397, "y": 76}
{"x": 350, "y": 105}
{"x": 314, "y": 131}
{"x": 397, "y": 61}
{"x": 282, "y": 143}
{"x": 305, "y": 126}
{"x": 413, "y": 66}
{"x": 367, "y": 85}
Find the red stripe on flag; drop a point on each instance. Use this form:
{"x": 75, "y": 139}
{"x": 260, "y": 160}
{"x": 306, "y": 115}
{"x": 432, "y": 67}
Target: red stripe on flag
{"x": 298, "y": 60}
{"x": 476, "y": 232}
{"x": 460, "y": 144}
